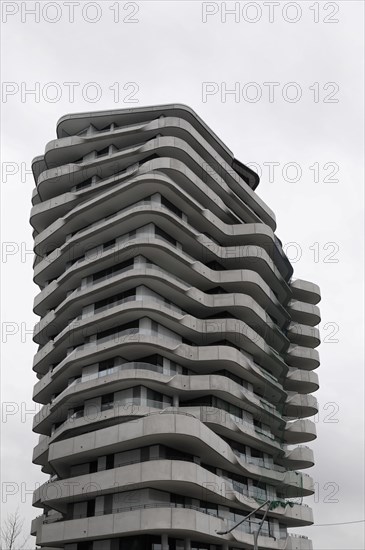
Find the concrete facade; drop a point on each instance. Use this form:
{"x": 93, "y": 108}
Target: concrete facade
{"x": 176, "y": 359}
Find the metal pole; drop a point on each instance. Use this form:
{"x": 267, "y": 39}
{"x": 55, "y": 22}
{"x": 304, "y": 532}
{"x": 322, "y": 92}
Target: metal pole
{"x": 256, "y": 534}
{"x": 244, "y": 519}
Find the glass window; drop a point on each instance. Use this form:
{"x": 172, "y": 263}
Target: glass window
{"x": 84, "y": 184}
{"x": 121, "y": 328}
{"x": 107, "y": 364}
{"x": 102, "y": 152}
{"x": 209, "y": 508}
{"x": 114, "y": 300}
{"x": 152, "y": 359}
{"x": 256, "y": 453}
{"x": 114, "y": 269}
{"x": 109, "y": 244}
{"x": 171, "y": 207}
{"x": 159, "y": 232}
{"x": 107, "y": 401}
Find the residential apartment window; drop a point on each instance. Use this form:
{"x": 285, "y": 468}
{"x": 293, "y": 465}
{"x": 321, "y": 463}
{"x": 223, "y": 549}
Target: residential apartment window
{"x": 107, "y": 401}
{"x": 108, "y": 244}
{"x": 102, "y": 152}
{"x": 180, "y": 501}
{"x": 106, "y": 365}
{"x": 90, "y": 508}
{"x": 114, "y": 300}
{"x": 157, "y": 396}
{"x": 216, "y": 266}
{"x": 84, "y": 184}
{"x": 153, "y": 359}
{"x": 171, "y": 207}
{"x": 128, "y": 328}
{"x": 109, "y": 463}
{"x": 216, "y": 290}
{"x": 233, "y": 377}
{"x": 165, "y": 236}
{"x": 209, "y": 508}
{"x": 113, "y": 270}
{"x": 261, "y": 490}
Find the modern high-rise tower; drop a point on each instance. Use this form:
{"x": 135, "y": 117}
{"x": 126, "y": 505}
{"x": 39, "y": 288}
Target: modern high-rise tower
{"x": 176, "y": 352}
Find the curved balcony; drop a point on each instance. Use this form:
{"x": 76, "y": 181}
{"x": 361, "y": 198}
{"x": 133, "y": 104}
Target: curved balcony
{"x": 302, "y": 335}
{"x": 301, "y": 381}
{"x": 192, "y": 300}
{"x": 133, "y": 373}
{"x": 304, "y": 291}
{"x": 164, "y": 254}
{"x": 303, "y": 313}
{"x": 200, "y": 359}
{"x": 296, "y": 484}
{"x": 174, "y": 130}
{"x": 137, "y": 190}
{"x": 302, "y": 358}
{"x": 298, "y": 458}
{"x": 220, "y": 421}
{"x": 53, "y": 181}
{"x": 188, "y": 521}
{"x": 167, "y": 475}
{"x": 300, "y": 406}
{"x": 300, "y": 431}
{"x": 40, "y": 451}
{"x": 70, "y": 148}
{"x": 198, "y": 438}
{"x": 235, "y": 428}
{"x": 200, "y": 331}
{"x": 197, "y": 245}
{"x": 131, "y": 183}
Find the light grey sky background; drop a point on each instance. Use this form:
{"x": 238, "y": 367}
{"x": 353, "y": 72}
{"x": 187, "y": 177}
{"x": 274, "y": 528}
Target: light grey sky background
{"x": 309, "y": 122}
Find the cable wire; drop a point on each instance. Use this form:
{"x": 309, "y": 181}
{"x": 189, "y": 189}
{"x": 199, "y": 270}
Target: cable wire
{"x": 342, "y": 523}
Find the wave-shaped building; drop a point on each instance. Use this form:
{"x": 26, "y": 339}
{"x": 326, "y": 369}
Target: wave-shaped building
{"x": 176, "y": 352}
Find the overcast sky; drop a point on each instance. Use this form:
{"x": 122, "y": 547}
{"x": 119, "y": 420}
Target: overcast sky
{"x": 297, "y": 74}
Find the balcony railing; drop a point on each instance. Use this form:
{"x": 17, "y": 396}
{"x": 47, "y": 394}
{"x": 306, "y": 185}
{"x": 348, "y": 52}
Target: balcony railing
{"x": 241, "y": 488}
{"x": 130, "y": 406}
{"x": 258, "y": 462}
{"x": 116, "y": 336}
{"x": 134, "y": 365}
{"x": 248, "y": 527}
{"x": 138, "y": 298}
